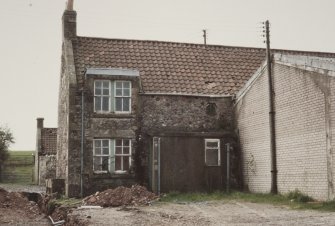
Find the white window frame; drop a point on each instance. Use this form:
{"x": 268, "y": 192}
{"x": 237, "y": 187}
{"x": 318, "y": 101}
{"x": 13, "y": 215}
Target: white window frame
{"x": 112, "y": 97}
{"x": 212, "y": 148}
{"x": 122, "y": 96}
{"x": 102, "y": 155}
{"x": 102, "y": 95}
{"x": 111, "y": 155}
{"x": 123, "y": 155}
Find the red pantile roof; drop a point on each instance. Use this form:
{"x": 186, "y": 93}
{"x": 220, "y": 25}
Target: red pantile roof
{"x": 169, "y": 67}
{"x": 49, "y": 141}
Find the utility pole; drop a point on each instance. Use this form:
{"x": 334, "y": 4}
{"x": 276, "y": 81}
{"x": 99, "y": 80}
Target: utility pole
{"x": 205, "y": 36}
{"x": 274, "y": 188}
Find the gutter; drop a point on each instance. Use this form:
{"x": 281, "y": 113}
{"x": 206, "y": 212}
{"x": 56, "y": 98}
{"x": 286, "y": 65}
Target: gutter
{"x": 185, "y": 94}
{"x": 82, "y": 137}
{"x": 82, "y": 144}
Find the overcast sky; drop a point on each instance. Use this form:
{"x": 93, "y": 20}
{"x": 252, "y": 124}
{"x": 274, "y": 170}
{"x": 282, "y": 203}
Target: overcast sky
{"x": 30, "y": 47}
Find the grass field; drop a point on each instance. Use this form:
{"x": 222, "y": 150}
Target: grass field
{"x": 19, "y": 167}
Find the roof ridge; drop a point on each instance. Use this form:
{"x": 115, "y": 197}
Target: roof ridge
{"x": 171, "y": 42}
{"x": 209, "y": 45}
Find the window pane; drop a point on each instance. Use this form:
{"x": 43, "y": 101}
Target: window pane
{"x": 118, "y": 92}
{"x": 126, "y": 150}
{"x": 125, "y": 163}
{"x": 105, "y": 163}
{"x": 97, "y": 163}
{"x": 212, "y": 144}
{"x": 118, "y": 85}
{"x": 105, "y": 84}
{"x": 105, "y": 151}
{"x": 212, "y": 157}
{"x": 98, "y": 84}
{"x": 105, "y": 103}
{"x": 118, "y": 150}
{"x": 97, "y": 106}
{"x": 125, "y": 104}
{"x": 118, "y": 142}
{"x": 105, "y": 143}
{"x": 105, "y": 92}
{"x": 97, "y": 143}
{"x": 125, "y": 142}
{"x": 118, "y": 104}
{"x": 118, "y": 163}
{"x": 97, "y": 91}
{"x": 126, "y": 85}
{"x": 98, "y": 150}
{"x": 126, "y": 92}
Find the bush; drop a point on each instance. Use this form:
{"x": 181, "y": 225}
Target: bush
{"x": 297, "y": 196}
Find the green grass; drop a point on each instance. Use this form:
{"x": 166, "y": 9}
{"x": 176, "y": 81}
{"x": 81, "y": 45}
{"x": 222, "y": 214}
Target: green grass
{"x": 68, "y": 201}
{"x": 295, "y": 199}
{"x": 19, "y": 167}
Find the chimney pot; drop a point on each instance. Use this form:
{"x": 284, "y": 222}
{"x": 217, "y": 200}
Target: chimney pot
{"x": 40, "y": 123}
{"x": 69, "y": 5}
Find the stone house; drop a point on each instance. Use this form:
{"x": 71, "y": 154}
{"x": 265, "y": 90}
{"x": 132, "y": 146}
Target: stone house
{"x": 168, "y": 114}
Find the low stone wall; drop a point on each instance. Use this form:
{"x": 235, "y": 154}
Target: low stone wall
{"x": 47, "y": 168}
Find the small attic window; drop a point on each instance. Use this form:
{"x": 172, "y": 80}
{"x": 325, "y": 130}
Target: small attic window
{"x": 211, "y": 108}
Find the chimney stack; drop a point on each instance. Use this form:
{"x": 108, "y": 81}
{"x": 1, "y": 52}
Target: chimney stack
{"x": 69, "y": 22}
{"x": 40, "y": 123}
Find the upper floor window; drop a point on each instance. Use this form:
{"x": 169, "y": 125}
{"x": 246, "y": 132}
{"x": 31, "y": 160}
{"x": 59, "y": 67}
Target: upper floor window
{"x": 102, "y": 96}
{"x": 212, "y": 152}
{"x": 122, "y": 96}
{"x": 112, "y": 96}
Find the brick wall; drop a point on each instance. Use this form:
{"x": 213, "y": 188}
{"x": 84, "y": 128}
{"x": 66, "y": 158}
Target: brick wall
{"x": 252, "y": 118}
{"x": 302, "y": 117}
{"x": 301, "y": 130}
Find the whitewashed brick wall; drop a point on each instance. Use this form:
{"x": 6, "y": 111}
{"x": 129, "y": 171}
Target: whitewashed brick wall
{"x": 252, "y": 117}
{"x": 300, "y": 132}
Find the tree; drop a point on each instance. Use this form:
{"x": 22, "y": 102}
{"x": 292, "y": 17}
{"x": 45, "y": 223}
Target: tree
{"x": 6, "y": 138}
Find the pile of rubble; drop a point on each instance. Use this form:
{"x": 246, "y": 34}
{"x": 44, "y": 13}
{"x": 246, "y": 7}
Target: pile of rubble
{"x": 17, "y": 201}
{"x": 121, "y": 196}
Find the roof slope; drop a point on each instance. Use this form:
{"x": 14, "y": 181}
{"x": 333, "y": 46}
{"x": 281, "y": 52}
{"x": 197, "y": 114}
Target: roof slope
{"x": 169, "y": 67}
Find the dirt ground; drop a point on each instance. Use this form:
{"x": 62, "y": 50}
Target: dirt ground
{"x": 204, "y": 213}
{"x": 16, "y": 209}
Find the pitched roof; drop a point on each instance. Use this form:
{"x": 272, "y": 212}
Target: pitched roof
{"x": 178, "y": 68}
{"x": 49, "y": 141}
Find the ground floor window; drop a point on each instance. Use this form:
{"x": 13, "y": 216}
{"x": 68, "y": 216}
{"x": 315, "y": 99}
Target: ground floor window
{"x": 212, "y": 152}
{"x": 111, "y": 155}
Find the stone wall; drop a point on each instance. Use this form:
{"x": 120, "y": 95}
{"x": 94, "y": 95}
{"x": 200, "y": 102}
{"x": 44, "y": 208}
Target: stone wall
{"x": 184, "y": 119}
{"x": 109, "y": 126}
{"x": 185, "y": 113}
{"x": 68, "y": 132}
{"x": 47, "y": 168}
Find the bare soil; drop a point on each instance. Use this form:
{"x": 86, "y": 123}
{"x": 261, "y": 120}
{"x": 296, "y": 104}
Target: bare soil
{"x": 204, "y": 213}
{"x": 16, "y": 209}
{"x": 121, "y": 196}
